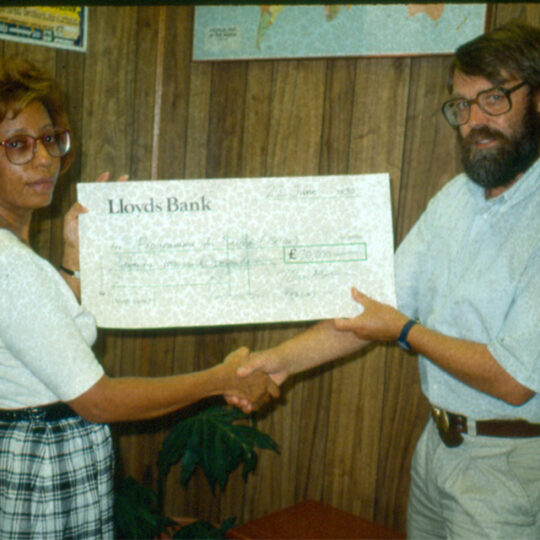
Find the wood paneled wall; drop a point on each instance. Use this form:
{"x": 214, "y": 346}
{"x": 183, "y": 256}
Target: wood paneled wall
{"x": 139, "y": 105}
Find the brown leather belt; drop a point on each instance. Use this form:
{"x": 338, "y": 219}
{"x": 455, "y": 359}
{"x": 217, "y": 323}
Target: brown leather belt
{"x": 451, "y": 426}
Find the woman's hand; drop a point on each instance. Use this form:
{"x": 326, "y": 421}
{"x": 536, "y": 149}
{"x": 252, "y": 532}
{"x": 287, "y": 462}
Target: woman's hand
{"x": 71, "y": 221}
{"x": 70, "y": 258}
{"x": 249, "y": 392}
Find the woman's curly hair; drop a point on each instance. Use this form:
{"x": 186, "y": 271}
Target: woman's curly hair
{"x": 22, "y": 82}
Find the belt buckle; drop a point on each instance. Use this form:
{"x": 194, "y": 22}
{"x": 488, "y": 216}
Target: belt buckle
{"x": 448, "y": 431}
{"x": 36, "y": 414}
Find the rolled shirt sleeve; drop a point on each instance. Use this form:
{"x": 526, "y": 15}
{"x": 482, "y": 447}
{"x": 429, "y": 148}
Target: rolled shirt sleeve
{"x": 517, "y": 343}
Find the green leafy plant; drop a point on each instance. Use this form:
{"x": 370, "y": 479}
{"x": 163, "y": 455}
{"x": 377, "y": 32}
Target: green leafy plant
{"x": 136, "y": 511}
{"x": 218, "y": 439}
{"x": 213, "y": 441}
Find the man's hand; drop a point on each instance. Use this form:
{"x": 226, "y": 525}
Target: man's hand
{"x": 265, "y": 362}
{"x": 377, "y": 322}
{"x": 254, "y": 364}
{"x": 251, "y": 391}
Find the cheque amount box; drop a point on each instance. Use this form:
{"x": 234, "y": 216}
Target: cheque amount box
{"x": 325, "y": 253}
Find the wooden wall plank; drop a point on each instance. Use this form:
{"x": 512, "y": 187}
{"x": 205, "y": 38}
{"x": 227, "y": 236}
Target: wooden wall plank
{"x": 197, "y": 120}
{"x": 430, "y": 154}
{"x": 296, "y": 121}
{"x": 504, "y": 12}
{"x": 381, "y": 88}
{"x": 355, "y": 417}
{"x": 109, "y": 89}
{"x": 226, "y": 119}
{"x": 315, "y": 434}
{"x": 338, "y": 117}
{"x": 175, "y": 100}
{"x": 142, "y": 111}
{"x": 257, "y": 117}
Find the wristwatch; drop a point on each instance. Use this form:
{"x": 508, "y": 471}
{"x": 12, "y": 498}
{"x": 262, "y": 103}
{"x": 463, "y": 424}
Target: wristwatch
{"x": 73, "y": 273}
{"x": 402, "y": 339}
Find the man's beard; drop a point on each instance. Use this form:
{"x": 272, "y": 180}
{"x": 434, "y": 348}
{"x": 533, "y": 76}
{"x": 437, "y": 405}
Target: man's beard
{"x": 495, "y": 167}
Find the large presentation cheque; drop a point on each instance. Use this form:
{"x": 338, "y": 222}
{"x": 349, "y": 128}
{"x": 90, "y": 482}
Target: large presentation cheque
{"x": 237, "y": 251}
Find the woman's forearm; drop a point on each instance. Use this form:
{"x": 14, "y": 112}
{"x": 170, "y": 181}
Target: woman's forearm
{"x": 141, "y": 398}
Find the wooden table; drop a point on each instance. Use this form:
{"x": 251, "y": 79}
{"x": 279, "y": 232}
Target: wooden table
{"x": 311, "y": 520}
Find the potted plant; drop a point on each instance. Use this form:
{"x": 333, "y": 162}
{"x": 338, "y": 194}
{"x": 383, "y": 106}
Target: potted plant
{"x": 218, "y": 439}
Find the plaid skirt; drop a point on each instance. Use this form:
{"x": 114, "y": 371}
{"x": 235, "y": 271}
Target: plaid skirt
{"x": 56, "y": 480}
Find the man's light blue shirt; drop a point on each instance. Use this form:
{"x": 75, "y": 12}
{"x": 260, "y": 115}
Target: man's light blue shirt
{"x": 470, "y": 268}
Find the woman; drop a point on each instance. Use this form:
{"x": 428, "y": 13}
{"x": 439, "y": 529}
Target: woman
{"x": 55, "y": 399}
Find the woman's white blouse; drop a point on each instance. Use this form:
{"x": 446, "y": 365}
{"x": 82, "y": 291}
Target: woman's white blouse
{"x": 45, "y": 335}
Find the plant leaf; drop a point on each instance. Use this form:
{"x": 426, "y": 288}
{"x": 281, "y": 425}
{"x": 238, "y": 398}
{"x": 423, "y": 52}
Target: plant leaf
{"x": 213, "y": 441}
{"x": 191, "y": 457}
{"x": 136, "y": 511}
{"x": 173, "y": 446}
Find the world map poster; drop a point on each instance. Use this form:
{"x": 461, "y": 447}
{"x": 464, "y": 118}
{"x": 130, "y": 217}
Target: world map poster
{"x": 307, "y": 31}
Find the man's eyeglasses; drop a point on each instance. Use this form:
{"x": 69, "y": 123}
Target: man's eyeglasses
{"x": 20, "y": 149}
{"x": 493, "y": 101}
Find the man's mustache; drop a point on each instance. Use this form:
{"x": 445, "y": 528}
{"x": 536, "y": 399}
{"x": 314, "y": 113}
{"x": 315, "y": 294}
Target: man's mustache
{"x": 482, "y": 133}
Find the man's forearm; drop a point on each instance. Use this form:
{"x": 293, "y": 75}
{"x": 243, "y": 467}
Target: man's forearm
{"x": 470, "y": 362}
{"x": 319, "y": 344}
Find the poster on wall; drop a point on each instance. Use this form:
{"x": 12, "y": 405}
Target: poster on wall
{"x": 63, "y": 27}
{"x": 334, "y": 30}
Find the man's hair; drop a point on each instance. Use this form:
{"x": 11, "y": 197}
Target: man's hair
{"x": 512, "y": 50}
{"x": 22, "y": 82}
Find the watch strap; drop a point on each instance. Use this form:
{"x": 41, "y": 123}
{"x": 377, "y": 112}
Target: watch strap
{"x": 402, "y": 339}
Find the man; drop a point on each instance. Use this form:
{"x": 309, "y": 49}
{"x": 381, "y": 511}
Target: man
{"x": 468, "y": 287}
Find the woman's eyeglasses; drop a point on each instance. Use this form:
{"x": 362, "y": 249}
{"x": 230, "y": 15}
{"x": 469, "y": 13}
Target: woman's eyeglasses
{"x": 21, "y": 149}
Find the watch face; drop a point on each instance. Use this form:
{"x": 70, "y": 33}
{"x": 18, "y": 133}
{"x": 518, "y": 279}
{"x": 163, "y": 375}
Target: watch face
{"x": 403, "y": 344}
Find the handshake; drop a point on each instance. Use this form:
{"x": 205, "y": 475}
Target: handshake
{"x": 250, "y": 380}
